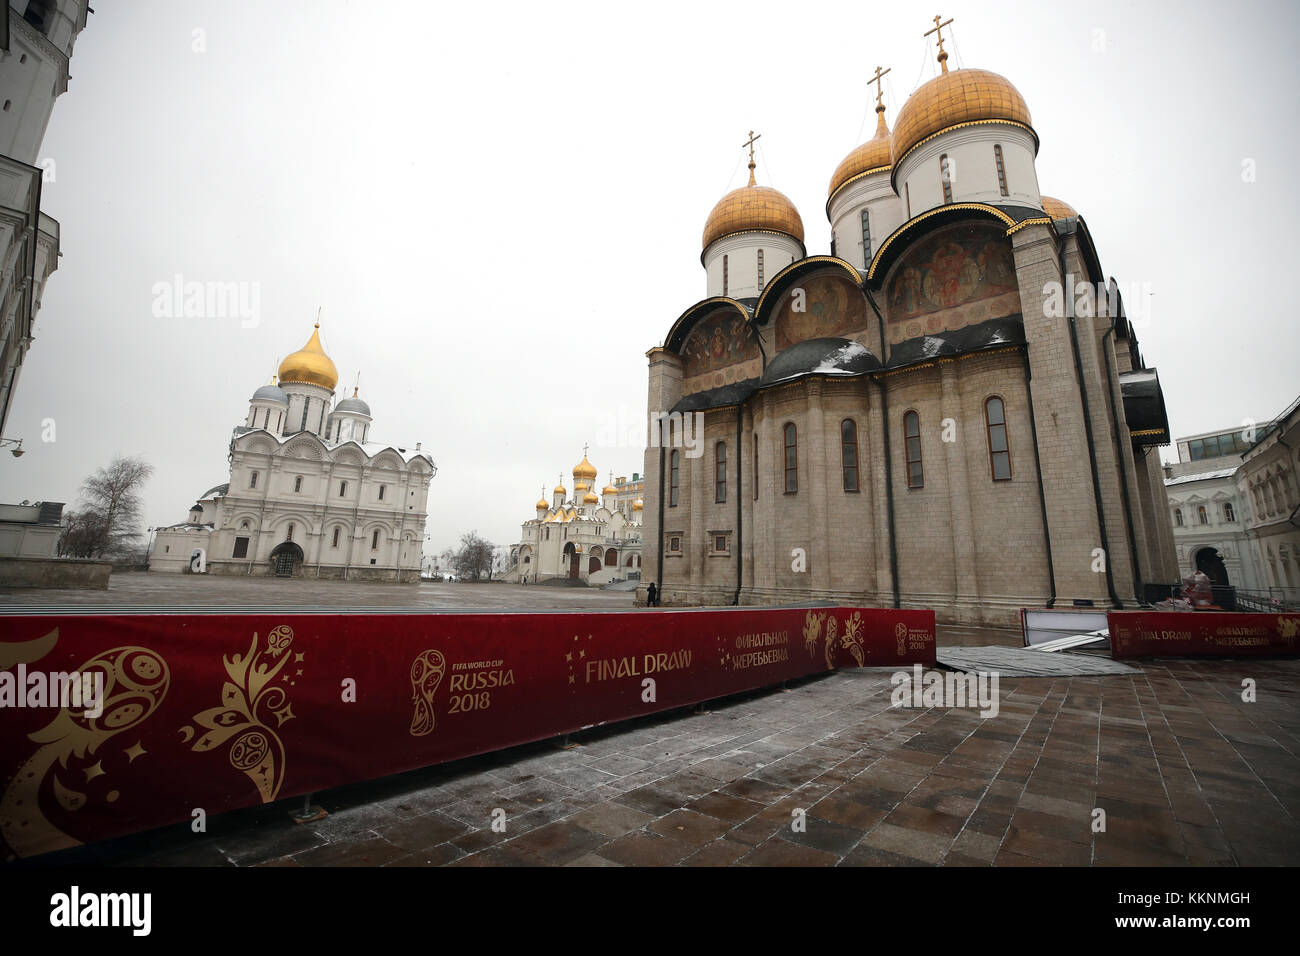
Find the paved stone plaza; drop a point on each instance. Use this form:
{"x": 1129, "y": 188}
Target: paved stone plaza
{"x": 1186, "y": 772}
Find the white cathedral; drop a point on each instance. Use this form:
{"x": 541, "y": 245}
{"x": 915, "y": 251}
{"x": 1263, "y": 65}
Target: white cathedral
{"x": 309, "y": 495}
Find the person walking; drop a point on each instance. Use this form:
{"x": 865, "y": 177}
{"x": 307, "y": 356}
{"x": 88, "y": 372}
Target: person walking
{"x": 652, "y": 596}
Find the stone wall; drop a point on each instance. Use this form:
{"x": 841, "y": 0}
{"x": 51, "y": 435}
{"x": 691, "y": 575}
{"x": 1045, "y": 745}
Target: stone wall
{"x": 54, "y": 573}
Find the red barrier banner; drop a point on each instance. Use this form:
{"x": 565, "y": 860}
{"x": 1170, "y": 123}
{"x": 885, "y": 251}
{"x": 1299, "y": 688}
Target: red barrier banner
{"x": 1202, "y": 634}
{"x": 111, "y": 724}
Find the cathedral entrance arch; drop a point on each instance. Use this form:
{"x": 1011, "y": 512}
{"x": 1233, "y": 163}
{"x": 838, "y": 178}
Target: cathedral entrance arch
{"x": 283, "y": 558}
{"x": 1210, "y": 562}
{"x": 571, "y": 555}
{"x": 593, "y": 565}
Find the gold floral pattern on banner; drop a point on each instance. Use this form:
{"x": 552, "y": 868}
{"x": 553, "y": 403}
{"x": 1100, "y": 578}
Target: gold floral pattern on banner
{"x": 812, "y": 631}
{"x": 134, "y": 680}
{"x": 852, "y": 637}
{"x": 251, "y": 698}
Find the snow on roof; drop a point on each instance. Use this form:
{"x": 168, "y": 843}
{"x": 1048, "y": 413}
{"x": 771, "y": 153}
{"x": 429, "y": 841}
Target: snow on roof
{"x": 1203, "y": 476}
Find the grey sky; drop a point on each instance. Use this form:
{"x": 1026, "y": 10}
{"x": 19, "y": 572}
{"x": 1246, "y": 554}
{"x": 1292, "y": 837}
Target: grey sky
{"x": 499, "y": 208}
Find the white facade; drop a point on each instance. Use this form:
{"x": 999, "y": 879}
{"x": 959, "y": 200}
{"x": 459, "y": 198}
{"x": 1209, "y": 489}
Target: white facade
{"x": 33, "y": 73}
{"x": 1269, "y": 478}
{"x": 317, "y": 501}
{"x": 731, "y": 264}
{"x": 970, "y": 158}
{"x": 873, "y": 195}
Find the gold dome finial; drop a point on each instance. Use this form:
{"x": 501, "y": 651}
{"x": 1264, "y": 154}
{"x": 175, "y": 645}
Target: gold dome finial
{"x": 938, "y": 28}
{"x": 881, "y": 128}
{"x": 310, "y": 365}
{"x": 750, "y": 144}
{"x": 584, "y": 469}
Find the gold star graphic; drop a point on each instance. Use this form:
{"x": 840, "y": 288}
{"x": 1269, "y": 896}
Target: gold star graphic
{"x": 569, "y": 657}
{"x": 136, "y": 751}
{"x": 297, "y": 658}
{"x": 570, "y": 678}
{"x": 97, "y": 770}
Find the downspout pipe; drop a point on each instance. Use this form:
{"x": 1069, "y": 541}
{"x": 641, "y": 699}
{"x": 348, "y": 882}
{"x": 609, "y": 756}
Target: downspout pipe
{"x": 660, "y": 572}
{"x": 1042, "y": 497}
{"x": 889, "y": 467}
{"x": 1116, "y": 402}
{"x": 1087, "y": 429}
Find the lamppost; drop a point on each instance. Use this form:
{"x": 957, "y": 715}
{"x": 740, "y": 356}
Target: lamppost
{"x": 17, "y": 450}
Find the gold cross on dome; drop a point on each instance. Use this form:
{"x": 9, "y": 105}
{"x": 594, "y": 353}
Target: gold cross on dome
{"x": 750, "y": 144}
{"x": 938, "y": 28}
{"x": 876, "y": 79}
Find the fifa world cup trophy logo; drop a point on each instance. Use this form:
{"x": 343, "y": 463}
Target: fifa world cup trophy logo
{"x": 427, "y": 671}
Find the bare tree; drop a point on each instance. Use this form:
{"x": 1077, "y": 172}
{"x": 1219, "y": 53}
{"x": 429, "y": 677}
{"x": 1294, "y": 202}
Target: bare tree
{"x": 109, "y": 522}
{"x": 474, "y": 559}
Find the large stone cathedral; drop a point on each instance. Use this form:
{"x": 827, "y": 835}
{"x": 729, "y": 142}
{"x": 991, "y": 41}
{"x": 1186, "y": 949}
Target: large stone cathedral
{"x": 949, "y": 410}
{"x": 311, "y": 493}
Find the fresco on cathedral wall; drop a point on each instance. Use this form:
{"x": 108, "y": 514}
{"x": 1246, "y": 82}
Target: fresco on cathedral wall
{"x": 720, "y": 350}
{"x": 953, "y": 278}
{"x": 833, "y": 308}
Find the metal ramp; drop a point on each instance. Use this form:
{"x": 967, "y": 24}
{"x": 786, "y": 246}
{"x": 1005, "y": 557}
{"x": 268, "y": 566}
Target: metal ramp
{"x": 1024, "y": 662}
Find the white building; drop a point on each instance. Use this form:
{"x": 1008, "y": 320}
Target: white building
{"x": 310, "y": 493}
{"x": 583, "y": 538}
{"x": 36, "y": 43}
{"x": 1269, "y": 479}
{"x": 1209, "y": 513}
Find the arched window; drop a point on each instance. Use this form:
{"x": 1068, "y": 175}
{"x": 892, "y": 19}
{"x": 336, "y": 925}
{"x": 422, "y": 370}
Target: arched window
{"x": 297, "y": 483}
{"x": 866, "y": 240}
{"x": 1002, "y": 169}
{"x": 336, "y": 538}
{"x": 674, "y": 460}
{"x": 374, "y": 541}
{"x": 1201, "y": 515}
{"x": 791, "y": 459}
{"x": 760, "y": 270}
{"x": 999, "y": 451}
{"x": 849, "y": 453}
{"x": 1228, "y": 513}
{"x": 724, "y": 275}
{"x": 252, "y": 480}
{"x": 945, "y": 174}
{"x": 755, "y": 478}
{"x": 343, "y": 488}
{"x": 1178, "y": 517}
{"x": 266, "y": 419}
{"x": 720, "y": 472}
{"x": 381, "y": 492}
{"x": 912, "y": 436}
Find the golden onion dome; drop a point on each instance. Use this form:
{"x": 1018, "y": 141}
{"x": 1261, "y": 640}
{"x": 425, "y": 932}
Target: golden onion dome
{"x": 1057, "y": 209}
{"x": 609, "y": 490}
{"x": 590, "y": 498}
{"x": 872, "y": 156}
{"x": 581, "y": 486}
{"x": 559, "y": 490}
{"x": 637, "y": 505}
{"x": 310, "y": 364}
{"x": 954, "y": 98}
{"x": 541, "y": 504}
{"x": 752, "y": 207}
{"x": 584, "y": 470}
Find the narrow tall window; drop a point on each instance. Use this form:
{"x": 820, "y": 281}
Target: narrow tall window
{"x": 1002, "y": 170}
{"x": 1228, "y": 513}
{"x": 791, "y": 459}
{"x": 999, "y": 452}
{"x": 374, "y": 541}
{"x": 720, "y": 472}
{"x": 907, "y": 191}
{"x": 912, "y": 434}
{"x": 849, "y": 453}
{"x": 381, "y": 492}
{"x": 724, "y": 275}
{"x": 754, "y": 480}
{"x": 945, "y": 174}
{"x": 288, "y": 536}
{"x": 760, "y": 270}
{"x": 252, "y": 480}
{"x": 336, "y": 538}
{"x": 1178, "y": 517}
{"x": 297, "y": 483}
{"x": 343, "y": 488}
{"x": 1201, "y": 516}
{"x": 866, "y": 239}
{"x": 266, "y": 419}
{"x": 305, "y": 406}
{"x": 674, "y": 460}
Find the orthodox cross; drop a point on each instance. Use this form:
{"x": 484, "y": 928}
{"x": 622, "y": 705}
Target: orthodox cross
{"x": 750, "y": 144}
{"x": 938, "y": 28}
{"x": 880, "y": 106}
